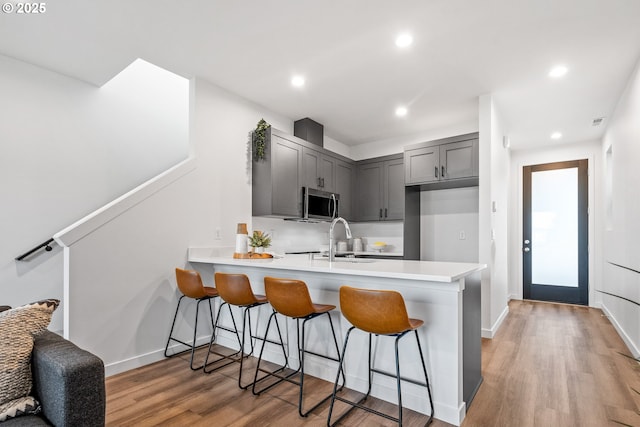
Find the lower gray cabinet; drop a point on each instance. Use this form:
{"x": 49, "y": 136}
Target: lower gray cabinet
{"x": 380, "y": 189}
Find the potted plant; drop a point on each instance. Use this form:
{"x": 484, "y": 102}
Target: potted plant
{"x": 259, "y": 241}
{"x": 259, "y": 138}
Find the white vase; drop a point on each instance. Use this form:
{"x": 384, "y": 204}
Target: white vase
{"x": 258, "y": 250}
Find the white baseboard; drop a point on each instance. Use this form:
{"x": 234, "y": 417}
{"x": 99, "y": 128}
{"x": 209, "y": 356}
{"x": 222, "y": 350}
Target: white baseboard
{"x": 146, "y": 359}
{"x": 490, "y": 333}
{"x": 625, "y": 337}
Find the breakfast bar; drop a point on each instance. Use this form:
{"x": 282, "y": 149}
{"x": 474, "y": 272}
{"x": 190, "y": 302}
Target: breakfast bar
{"x": 445, "y": 295}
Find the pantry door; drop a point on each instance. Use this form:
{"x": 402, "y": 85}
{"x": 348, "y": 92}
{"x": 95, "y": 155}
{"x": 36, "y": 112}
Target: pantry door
{"x": 555, "y": 246}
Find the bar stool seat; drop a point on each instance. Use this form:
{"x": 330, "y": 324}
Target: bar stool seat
{"x": 379, "y": 312}
{"x": 235, "y": 289}
{"x": 291, "y": 298}
{"x": 190, "y": 284}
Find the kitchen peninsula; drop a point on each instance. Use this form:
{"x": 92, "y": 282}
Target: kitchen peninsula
{"x": 445, "y": 295}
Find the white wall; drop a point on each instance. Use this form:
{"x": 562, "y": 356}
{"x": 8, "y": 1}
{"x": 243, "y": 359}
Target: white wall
{"x": 396, "y": 145}
{"x": 589, "y": 150}
{"x": 131, "y": 301}
{"x": 68, "y": 148}
{"x": 493, "y": 226}
{"x": 449, "y": 225}
{"x": 621, "y": 236}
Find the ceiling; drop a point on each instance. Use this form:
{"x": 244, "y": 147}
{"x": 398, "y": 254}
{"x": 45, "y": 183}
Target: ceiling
{"x": 355, "y": 75}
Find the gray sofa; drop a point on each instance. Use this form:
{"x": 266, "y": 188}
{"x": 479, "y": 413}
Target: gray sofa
{"x": 68, "y": 382}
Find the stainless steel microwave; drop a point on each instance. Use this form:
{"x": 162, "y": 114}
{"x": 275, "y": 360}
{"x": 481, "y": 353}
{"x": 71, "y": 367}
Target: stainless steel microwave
{"x": 319, "y": 205}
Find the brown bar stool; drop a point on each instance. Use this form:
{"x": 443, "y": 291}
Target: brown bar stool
{"x": 291, "y": 298}
{"x": 381, "y": 313}
{"x": 190, "y": 284}
{"x": 235, "y": 289}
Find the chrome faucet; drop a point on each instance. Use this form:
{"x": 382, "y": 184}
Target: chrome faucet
{"x": 332, "y": 251}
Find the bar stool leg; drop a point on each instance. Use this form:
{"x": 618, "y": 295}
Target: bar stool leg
{"x": 302, "y": 351}
{"x": 285, "y": 365}
{"x": 426, "y": 376}
{"x": 191, "y": 346}
{"x": 230, "y": 358}
{"x": 398, "y": 381}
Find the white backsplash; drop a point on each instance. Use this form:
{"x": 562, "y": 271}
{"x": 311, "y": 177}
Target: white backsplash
{"x": 291, "y": 236}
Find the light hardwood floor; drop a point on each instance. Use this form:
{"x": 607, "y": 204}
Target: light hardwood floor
{"x": 549, "y": 365}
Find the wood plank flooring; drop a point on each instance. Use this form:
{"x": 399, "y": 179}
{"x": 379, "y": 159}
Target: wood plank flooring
{"x": 549, "y": 365}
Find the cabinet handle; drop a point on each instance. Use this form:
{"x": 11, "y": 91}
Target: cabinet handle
{"x": 442, "y": 174}
{"x": 319, "y": 182}
{"x": 436, "y": 171}
{"x": 322, "y": 182}
{"x": 380, "y": 212}
{"x": 385, "y": 212}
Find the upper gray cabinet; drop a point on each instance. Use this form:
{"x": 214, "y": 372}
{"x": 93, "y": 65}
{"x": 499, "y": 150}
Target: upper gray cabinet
{"x": 319, "y": 170}
{"x": 380, "y": 189}
{"x": 277, "y": 179}
{"x": 345, "y": 181}
{"x": 445, "y": 163}
{"x": 291, "y": 163}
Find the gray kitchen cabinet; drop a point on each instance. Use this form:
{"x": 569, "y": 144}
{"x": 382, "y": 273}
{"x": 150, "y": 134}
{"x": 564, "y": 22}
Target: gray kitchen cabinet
{"x": 277, "y": 179}
{"x": 319, "y": 170}
{"x": 345, "y": 178}
{"x": 380, "y": 189}
{"x": 449, "y": 162}
{"x": 291, "y": 163}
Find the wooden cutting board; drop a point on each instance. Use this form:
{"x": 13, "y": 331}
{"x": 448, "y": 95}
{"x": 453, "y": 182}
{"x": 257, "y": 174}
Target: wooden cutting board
{"x": 251, "y": 255}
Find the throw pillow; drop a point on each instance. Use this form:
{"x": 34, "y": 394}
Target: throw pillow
{"x": 17, "y": 407}
{"x": 18, "y": 327}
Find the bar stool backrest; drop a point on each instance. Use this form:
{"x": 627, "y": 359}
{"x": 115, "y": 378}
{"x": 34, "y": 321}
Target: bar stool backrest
{"x": 190, "y": 283}
{"x": 235, "y": 288}
{"x": 288, "y": 296}
{"x": 374, "y": 311}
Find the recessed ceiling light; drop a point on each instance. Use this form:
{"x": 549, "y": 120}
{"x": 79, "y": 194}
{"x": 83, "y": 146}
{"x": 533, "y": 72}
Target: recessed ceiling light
{"x": 404, "y": 40}
{"x": 558, "y": 71}
{"x": 297, "y": 81}
{"x": 556, "y": 135}
{"x": 401, "y": 111}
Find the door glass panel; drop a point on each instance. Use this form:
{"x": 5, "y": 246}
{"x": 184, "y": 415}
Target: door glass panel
{"x": 554, "y": 227}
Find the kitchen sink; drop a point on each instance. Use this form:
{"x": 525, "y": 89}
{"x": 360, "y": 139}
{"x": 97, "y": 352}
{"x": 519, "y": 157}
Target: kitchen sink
{"x": 348, "y": 260}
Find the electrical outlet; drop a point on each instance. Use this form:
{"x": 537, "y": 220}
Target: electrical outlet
{"x": 462, "y": 235}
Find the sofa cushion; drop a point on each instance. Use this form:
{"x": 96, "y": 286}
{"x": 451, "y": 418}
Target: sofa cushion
{"x": 18, "y": 327}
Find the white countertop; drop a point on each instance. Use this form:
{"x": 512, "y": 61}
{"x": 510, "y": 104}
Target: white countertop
{"x": 398, "y": 269}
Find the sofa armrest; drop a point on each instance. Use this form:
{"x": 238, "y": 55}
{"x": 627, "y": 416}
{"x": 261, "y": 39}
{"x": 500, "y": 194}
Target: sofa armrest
{"x": 68, "y": 381}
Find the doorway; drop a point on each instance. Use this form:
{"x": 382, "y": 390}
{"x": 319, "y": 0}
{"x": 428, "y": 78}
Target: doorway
{"x": 555, "y": 247}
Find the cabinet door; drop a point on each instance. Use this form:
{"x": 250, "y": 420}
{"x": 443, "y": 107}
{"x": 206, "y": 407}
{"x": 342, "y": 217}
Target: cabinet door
{"x": 344, "y": 184}
{"x": 369, "y": 194}
{"x": 286, "y": 175}
{"x": 311, "y": 165}
{"x": 459, "y": 159}
{"x": 393, "y": 189}
{"x": 328, "y": 173}
{"x": 422, "y": 165}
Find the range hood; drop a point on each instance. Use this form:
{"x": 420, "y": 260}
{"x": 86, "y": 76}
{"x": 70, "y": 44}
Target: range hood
{"x": 309, "y": 130}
